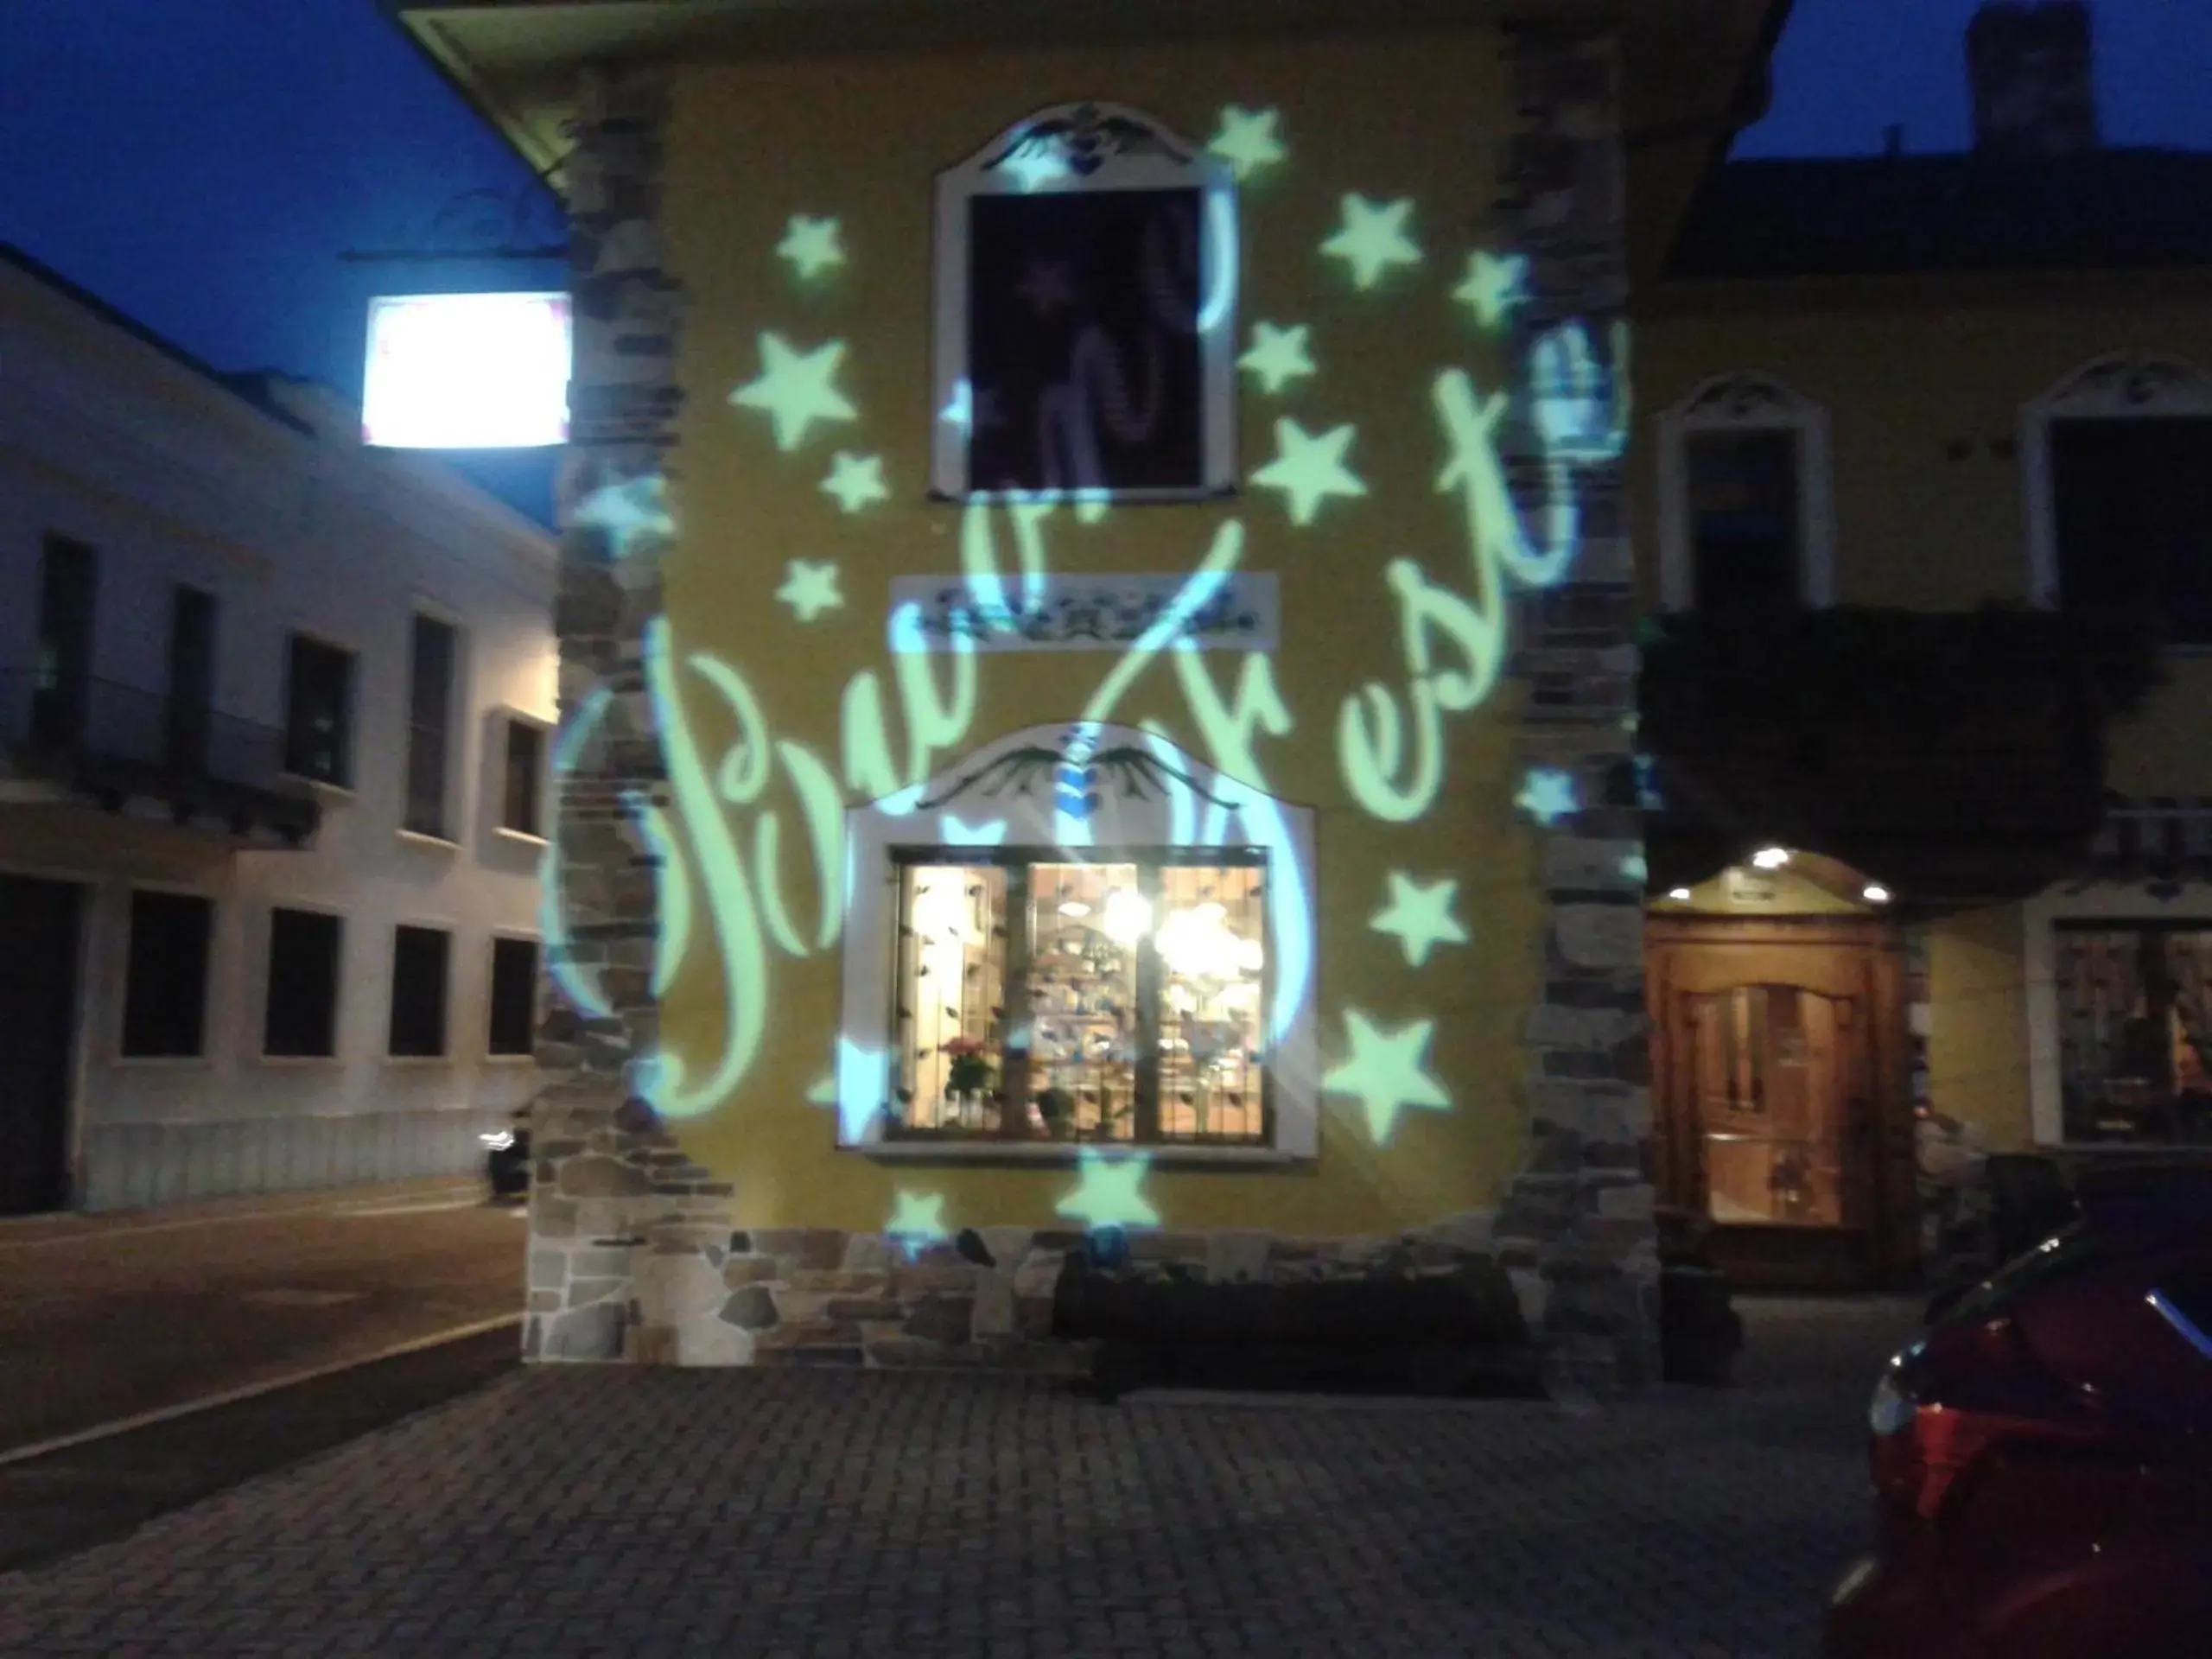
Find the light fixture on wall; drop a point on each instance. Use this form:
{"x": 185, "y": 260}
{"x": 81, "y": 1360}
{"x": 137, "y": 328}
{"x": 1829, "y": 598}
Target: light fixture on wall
{"x": 1875, "y": 893}
{"x": 1770, "y": 858}
{"x": 1074, "y": 907}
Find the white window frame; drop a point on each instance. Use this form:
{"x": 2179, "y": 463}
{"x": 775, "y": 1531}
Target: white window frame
{"x": 1748, "y": 400}
{"x": 453, "y": 800}
{"x": 505, "y": 718}
{"x": 1159, "y": 160}
{"x": 2121, "y": 385}
{"x": 1194, "y": 808}
{"x": 2119, "y": 904}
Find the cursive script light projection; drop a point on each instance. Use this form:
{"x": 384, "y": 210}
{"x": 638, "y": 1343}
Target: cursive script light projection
{"x": 752, "y": 846}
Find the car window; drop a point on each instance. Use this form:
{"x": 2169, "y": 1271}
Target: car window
{"x": 2060, "y": 1256}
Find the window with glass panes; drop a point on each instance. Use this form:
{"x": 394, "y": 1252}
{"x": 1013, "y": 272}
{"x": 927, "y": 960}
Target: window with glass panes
{"x": 1121, "y": 998}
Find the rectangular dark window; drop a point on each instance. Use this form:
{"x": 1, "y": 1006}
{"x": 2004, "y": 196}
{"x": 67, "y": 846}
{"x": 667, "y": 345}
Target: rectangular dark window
{"x": 1745, "y": 545}
{"x": 429, "y": 726}
{"x": 2135, "y": 1032}
{"x": 301, "y": 1017}
{"x": 192, "y": 678}
{"x": 514, "y": 996}
{"x": 1085, "y": 355}
{"x": 61, "y": 688}
{"x": 1109, "y": 1002}
{"x": 523, "y": 780}
{"x": 165, "y": 977}
{"x": 319, "y": 713}
{"x": 419, "y": 958}
{"x": 2132, "y": 505}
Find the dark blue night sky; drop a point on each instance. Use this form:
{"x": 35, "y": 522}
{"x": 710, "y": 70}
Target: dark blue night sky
{"x": 201, "y": 164}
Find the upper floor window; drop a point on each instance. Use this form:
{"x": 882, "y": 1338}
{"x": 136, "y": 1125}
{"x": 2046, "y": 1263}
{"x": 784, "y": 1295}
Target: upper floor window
{"x": 62, "y": 676}
{"x": 319, "y": 712}
{"x": 1086, "y": 300}
{"x": 2119, "y": 484}
{"x": 522, "y": 778}
{"x": 429, "y": 726}
{"x": 1745, "y": 515}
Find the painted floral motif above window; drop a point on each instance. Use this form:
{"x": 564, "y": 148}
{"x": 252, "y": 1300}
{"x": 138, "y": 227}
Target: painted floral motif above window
{"x": 1085, "y": 310}
{"x": 1116, "y": 1001}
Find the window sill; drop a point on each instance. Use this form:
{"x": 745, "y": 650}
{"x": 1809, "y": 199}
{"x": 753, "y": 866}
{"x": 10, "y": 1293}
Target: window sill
{"x": 417, "y": 1060}
{"x": 1058, "y": 1154}
{"x": 162, "y": 1062}
{"x": 511, "y": 1059}
{"x": 337, "y": 794}
{"x": 520, "y": 837}
{"x": 432, "y": 843}
{"x": 299, "y": 1062}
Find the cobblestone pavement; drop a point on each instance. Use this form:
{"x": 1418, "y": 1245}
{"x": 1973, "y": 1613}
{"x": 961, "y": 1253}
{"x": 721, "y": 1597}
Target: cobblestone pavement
{"x": 646, "y": 1512}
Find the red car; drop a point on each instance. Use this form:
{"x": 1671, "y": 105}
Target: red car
{"x": 2042, "y": 1456}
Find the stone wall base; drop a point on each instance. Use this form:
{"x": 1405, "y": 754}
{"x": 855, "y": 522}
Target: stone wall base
{"x": 685, "y": 1292}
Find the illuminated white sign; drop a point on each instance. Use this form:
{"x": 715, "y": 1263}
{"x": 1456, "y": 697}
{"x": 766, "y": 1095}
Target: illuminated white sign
{"x": 467, "y": 371}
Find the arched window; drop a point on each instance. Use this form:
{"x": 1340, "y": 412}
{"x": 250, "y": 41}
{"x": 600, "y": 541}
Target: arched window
{"x": 1086, "y": 314}
{"x": 1745, "y": 516}
{"x": 2119, "y": 483}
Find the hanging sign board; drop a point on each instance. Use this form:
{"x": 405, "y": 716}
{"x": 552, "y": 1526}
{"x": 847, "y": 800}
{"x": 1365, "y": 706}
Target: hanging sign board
{"x": 467, "y": 371}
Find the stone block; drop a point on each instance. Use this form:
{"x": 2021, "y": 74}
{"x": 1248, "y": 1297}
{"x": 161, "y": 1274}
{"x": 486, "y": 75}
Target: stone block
{"x": 941, "y": 1318}
{"x": 588, "y": 1333}
{"x": 863, "y": 1307}
{"x": 1039, "y": 1275}
{"x": 1599, "y": 936}
{"x": 544, "y": 1301}
{"x": 584, "y": 1292}
{"x": 837, "y": 1279}
{"x": 549, "y": 1269}
{"x": 1006, "y": 1245}
{"x": 751, "y": 1307}
{"x": 551, "y": 1217}
{"x": 1635, "y": 1202}
{"x": 866, "y": 1253}
{"x": 712, "y": 1342}
{"x": 597, "y": 1176}
{"x": 1237, "y": 1257}
{"x": 1033, "y": 1318}
{"x": 932, "y": 1279}
{"x": 1594, "y": 1031}
{"x": 805, "y": 1333}
{"x": 994, "y": 1309}
{"x": 800, "y": 1305}
{"x": 1469, "y": 1230}
{"x": 751, "y": 1270}
{"x": 598, "y": 1263}
{"x": 678, "y": 1289}
{"x": 917, "y": 1353}
{"x": 1167, "y": 1246}
{"x": 802, "y": 1246}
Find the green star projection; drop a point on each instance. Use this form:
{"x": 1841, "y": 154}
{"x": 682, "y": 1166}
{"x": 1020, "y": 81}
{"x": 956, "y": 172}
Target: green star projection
{"x": 1107, "y": 1194}
{"x": 1372, "y": 239}
{"x": 795, "y": 389}
{"x": 1548, "y": 796}
{"x": 631, "y": 513}
{"x": 1278, "y": 357}
{"x": 856, "y": 480}
{"x": 1246, "y": 140}
{"x": 1309, "y": 469}
{"x": 1386, "y": 1072}
{"x": 1492, "y": 287}
{"x": 812, "y": 246}
{"x": 917, "y": 1219}
{"x": 1420, "y": 916}
{"x": 810, "y": 587}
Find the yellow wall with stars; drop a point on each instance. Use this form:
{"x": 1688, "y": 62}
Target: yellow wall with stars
{"x": 859, "y": 139}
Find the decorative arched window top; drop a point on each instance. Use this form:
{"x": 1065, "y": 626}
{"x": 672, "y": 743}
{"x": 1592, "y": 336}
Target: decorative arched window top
{"x": 1746, "y": 510}
{"x": 1086, "y": 282}
{"x": 2116, "y": 476}
{"x": 1080, "y": 935}
{"x": 2126, "y": 384}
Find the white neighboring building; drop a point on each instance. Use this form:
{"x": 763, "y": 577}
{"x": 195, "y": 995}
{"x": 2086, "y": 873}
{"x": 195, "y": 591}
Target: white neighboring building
{"x": 276, "y": 723}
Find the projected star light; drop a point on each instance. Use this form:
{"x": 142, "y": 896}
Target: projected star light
{"x": 1372, "y": 239}
{"x": 1248, "y": 140}
{"x": 810, "y": 587}
{"x": 1107, "y": 1194}
{"x": 1420, "y": 916}
{"x": 811, "y": 247}
{"x": 917, "y": 1218}
{"x": 1386, "y": 1072}
{"x": 1492, "y": 286}
{"x": 1309, "y": 469}
{"x": 953, "y": 833}
{"x": 1037, "y": 163}
{"x": 1278, "y": 356}
{"x": 631, "y": 513}
{"x": 856, "y": 480}
{"x": 795, "y": 389}
{"x": 1549, "y": 795}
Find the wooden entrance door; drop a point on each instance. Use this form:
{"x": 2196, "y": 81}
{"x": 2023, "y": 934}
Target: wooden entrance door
{"x": 1779, "y": 1085}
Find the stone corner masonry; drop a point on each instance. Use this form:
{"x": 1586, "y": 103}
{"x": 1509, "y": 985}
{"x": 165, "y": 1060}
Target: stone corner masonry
{"x": 633, "y": 1253}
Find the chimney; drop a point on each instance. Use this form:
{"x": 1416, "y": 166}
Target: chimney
{"x": 2029, "y": 65}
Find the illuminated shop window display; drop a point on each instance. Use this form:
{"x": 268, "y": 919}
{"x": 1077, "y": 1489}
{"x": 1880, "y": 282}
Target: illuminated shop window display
{"x": 1111, "y": 1000}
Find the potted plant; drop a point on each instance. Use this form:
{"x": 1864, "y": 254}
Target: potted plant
{"x": 968, "y": 1078}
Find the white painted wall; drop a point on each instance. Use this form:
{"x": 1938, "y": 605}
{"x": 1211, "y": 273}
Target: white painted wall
{"x": 105, "y": 438}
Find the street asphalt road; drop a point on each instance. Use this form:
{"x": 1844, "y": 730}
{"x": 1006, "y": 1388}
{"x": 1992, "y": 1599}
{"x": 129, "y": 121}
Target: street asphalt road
{"x": 104, "y": 1318}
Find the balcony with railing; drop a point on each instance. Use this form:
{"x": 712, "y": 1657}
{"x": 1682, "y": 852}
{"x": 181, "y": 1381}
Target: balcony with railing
{"x": 113, "y": 744}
